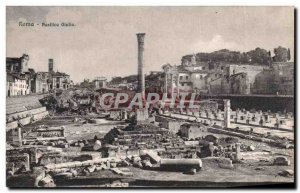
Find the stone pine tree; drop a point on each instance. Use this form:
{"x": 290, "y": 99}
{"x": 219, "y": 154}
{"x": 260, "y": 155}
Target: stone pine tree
{"x": 281, "y": 54}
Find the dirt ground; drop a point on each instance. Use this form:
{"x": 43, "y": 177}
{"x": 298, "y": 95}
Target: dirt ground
{"x": 251, "y": 170}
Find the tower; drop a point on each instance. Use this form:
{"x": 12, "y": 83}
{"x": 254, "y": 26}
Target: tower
{"x": 24, "y": 63}
{"x": 50, "y": 65}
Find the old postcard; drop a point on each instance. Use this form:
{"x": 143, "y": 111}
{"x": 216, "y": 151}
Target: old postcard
{"x": 151, "y": 97}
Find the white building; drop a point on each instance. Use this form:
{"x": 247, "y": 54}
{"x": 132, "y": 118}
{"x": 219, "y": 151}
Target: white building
{"x": 16, "y": 85}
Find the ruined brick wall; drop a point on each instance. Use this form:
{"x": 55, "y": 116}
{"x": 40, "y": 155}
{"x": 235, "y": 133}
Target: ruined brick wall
{"x": 240, "y": 84}
{"x": 278, "y": 80}
{"x": 250, "y": 70}
{"x": 215, "y": 86}
{"x": 192, "y": 131}
{"x": 198, "y": 80}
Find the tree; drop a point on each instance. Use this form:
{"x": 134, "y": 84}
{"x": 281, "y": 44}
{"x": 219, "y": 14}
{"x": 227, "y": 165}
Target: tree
{"x": 281, "y": 54}
{"x": 245, "y": 58}
{"x": 259, "y": 55}
{"x": 116, "y": 80}
{"x": 289, "y": 55}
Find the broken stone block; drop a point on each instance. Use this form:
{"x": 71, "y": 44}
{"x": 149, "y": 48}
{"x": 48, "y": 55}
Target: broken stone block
{"x": 251, "y": 148}
{"x": 74, "y": 172}
{"x": 286, "y": 173}
{"x": 146, "y": 164}
{"x": 113, "y": 164}
{"x": 81, "y": 144}
{"x": 137, "y": 164}
{"x": 281, "y": 161}
{"x": 101, "y": 167}
{"x": 117, "y": 171}
{"x": 91, "y": 169}
{"x": 192, "y": 171}
{"x": 97, "y": 145}
{"x": 47, "y": 181}
{"x": 135, "y": 159}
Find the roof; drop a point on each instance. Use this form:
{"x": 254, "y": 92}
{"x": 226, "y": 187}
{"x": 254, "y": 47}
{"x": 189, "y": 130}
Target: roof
{"x": 199, "y": 71}
{"x": 11, "y": 77}
{"x": 59, "y": 74}
{"x": 31, "y": 70}
{"x": 11, "y": 60}
{"x": 234, "y": 75}
{"x": 198, "y": 63}
{"x": 42, "y": 72}
{"x": 166, "y": 65}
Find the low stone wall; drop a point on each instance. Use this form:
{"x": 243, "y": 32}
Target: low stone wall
{"x": 241, "y": 135}
{"x": 36, "y": 114}
{"x": 11, "y": 125}
{"x": 25, "y": 113}
{"x": 25, "y": 121}
{"x": 41, "y": 115}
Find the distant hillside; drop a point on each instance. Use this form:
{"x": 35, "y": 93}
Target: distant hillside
{"x": 256, "y": 56}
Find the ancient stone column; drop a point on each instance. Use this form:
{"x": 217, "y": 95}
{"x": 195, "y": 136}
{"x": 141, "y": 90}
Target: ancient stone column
{"x": 227, "y": 111}
{"x": 141, "y": 74}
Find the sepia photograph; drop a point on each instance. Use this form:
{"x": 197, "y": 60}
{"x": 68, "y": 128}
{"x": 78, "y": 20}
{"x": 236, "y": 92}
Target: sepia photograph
{"x": 150, "y": 97}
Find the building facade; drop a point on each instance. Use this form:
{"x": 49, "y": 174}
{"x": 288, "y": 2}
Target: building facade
{"x": 100, "y": 82}
{"x": 18, "y": 71}
{"x": 44, "y": 82}
{"x": 17, "y": 65}
{"x": 16, "y": 85}
{"x": 41, "y": 82}
{"x": 60, "y": 80}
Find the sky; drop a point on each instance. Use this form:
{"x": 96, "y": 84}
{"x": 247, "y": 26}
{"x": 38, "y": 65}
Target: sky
{"x": 103, "y": 41}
